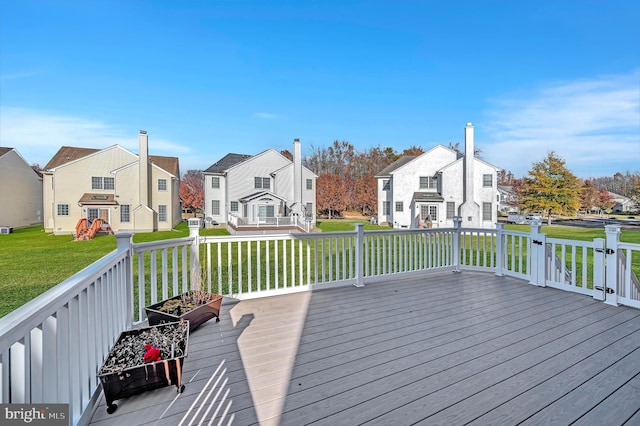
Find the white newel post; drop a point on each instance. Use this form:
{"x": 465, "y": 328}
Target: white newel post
{"x": 612, "y": 238}
{"x": 599, "y": 279}
{"x": 499, "y": 248}
{"x": 124, "y": 243}
{"x": 457, "y": 224}
{"x": 538, "y": 247}
{"x": 359, "y": 255}
{"x": 194, "y": 232}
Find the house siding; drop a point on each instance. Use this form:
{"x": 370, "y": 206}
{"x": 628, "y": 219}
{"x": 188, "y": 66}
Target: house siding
{"x": 449, "y": 169}
{"x": 67, "y": 183}
{"x": 238, "y": 182}
{"x": 20, "y": 192}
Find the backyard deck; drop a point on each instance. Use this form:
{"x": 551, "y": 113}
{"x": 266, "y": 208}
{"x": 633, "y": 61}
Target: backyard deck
{"x": 441, "y": 348}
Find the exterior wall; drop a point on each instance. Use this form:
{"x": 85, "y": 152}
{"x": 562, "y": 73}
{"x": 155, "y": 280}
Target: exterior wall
{"x": 166, "y": 198}
{"x": 385, "y": 196}
{"x": 72, "y": 180}
{"x": 239, "y": 182}
{"x": 443, "y": 163}
{"x": 406, "y": 181}
{"x": 20, "y": 192}
{"x": 309, "y": 195}
{"x": 216, "y": 194}
{"x": 69, "y": 182}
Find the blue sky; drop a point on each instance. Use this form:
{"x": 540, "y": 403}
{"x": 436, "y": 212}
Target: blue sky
{"x": 206, "y": 78}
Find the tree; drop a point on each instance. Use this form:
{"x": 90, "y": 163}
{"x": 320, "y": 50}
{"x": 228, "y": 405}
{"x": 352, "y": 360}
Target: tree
{"x": 506, "y": 178}
{"x": 551, "y": 188}
{"x": 366, "y": 195}
{"x": 588, "y": 196}
{"x": 192, "y": 190}
{"x": 330, "y": 194}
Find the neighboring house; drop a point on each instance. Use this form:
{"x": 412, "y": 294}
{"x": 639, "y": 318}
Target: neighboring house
{"x": 20, "y": 191}
{"x": 621, "y": 203}
{"x": 507, "y": 199}
{"x": 432, "y": 188}
{"x": 128, "y": 192}
{"x": 265, "y": 191}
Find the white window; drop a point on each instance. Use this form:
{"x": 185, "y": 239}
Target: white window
{"x": 399, "y": 206}
{"x": 486, "y": 211}
{"x": 63, "y": 209}
{"x": 215, "y": 182}
{"x": 386, "y": 184}
{"x": 124, "y": 213}
{"x": 451, "y": 208}
{"x": 386, "y": 207}
{"x": 234, "y": 206}
{"x": 162, "y": 184}
{"x": 427, "y": 182}
{"x": 96, "y": 182}
{"x": 215, "y": 207}
{"x": 487, "y": 180}
{"x": 261, "y": 182}
{"x": 309, "y": 184}
{"x": 162, "y": 213}
{"x": 309, "y": 211}
{"x": 109, "y": 183}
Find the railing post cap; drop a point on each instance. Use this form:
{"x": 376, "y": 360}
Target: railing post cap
{"x": 612, "y": 228}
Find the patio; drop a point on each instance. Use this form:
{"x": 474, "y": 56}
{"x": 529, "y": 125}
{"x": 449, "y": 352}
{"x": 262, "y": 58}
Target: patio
{"x": 435, "y": 348}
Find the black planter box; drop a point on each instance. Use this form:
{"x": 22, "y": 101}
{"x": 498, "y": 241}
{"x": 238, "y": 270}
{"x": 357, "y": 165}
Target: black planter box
{"x": 196, "y": 316}
{"x": 143, "y": 377}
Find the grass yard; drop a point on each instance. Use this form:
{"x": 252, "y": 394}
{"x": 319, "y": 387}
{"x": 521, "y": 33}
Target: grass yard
{"x": 32, "y": 261}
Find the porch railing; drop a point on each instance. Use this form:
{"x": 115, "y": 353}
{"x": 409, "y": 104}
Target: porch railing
{"x": 51, "y": 348}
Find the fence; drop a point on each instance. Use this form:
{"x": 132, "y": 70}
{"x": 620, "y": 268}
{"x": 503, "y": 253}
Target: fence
{"x": 51, "y": 348}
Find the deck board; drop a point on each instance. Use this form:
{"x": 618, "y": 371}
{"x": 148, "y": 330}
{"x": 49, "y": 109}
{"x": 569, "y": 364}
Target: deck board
{"x": 443, "y": 348}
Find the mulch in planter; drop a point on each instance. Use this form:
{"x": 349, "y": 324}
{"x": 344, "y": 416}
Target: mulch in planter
{"x": 124, "y": 372}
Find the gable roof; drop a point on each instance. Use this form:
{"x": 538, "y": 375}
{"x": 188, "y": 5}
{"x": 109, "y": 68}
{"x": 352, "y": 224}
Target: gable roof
{"x": 67, "y": 154}
{"x": 227, "y": 162}
{"x": 3, "y": 150}
{"x": 396, "y": 165}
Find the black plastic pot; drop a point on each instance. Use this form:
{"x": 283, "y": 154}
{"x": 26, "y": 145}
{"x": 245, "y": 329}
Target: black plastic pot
{"x": 141, "y": 378}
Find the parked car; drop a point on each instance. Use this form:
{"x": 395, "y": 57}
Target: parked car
{"x": 521, "y": 219}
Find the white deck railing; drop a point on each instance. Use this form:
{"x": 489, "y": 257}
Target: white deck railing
{"x": 51, "y": 348}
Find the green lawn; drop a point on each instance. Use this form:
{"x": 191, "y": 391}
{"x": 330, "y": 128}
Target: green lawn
{"x": 32, "y": 261}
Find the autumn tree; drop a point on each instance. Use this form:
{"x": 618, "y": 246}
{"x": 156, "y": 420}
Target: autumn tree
{"x": 366, "y": 191}
{"x": 588, "y": 196}
{"x": 192, "y": 190}
{"x": 551, "y": 188}
{"x": 330, "y": 194}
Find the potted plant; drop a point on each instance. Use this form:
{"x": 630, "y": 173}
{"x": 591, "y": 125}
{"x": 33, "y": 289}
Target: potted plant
{"x": 196, "y": 306}
{"x": 144, "y": 359}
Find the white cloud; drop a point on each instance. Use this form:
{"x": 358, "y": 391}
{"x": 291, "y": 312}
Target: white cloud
{"x": 39, "y": 135}
{"x": 594, "y": 125}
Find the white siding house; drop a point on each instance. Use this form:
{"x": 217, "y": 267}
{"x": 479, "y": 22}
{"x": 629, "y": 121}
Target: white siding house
{"x": 432, "y": 188}
{"x": 20, "y": 191}
{"x": 264, "y": 190}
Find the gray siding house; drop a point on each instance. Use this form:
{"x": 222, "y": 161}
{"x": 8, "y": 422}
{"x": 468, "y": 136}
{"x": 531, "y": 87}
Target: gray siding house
{"x": 263, "y": 192}
{"x": 430, "y": 189}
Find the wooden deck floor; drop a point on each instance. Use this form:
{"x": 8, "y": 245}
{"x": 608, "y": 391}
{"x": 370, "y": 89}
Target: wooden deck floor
{"x": 444, "y": 348}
